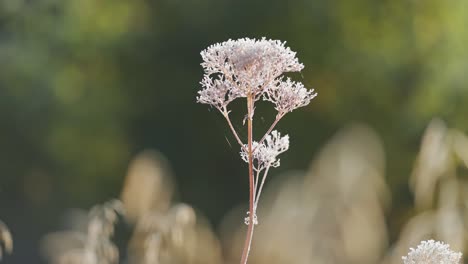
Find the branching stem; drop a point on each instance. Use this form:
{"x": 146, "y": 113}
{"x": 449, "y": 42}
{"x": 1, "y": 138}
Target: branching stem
{"x": 226, "y": 116}
{"x": 250, "y": 229}
{"x": 277, "y": 119}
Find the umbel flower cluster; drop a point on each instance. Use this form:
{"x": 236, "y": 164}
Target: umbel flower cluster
{"x": 253, "y": 69}
{"x": 432, "y": 252}
{"x": 266, "y": 154}
{"x": 238, "y": 68}
{"x": 248, "y": 67}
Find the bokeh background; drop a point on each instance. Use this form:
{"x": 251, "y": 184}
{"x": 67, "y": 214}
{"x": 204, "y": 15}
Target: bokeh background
{"x": 86, "y": 85}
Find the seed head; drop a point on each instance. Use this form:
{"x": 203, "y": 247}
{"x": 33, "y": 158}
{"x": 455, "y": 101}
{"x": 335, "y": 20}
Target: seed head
{"x": 236, "y": 68}
{"x": 432, "y": 252}
{"x": 288, "y": 95}
{"x": 266, "y": 154}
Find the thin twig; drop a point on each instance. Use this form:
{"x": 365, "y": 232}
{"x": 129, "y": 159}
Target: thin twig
{"x": 226, "y": 116}
{"x": 277, "y": 119}
{"x": 257, "y": 175}
{"x": 257, "y": 197}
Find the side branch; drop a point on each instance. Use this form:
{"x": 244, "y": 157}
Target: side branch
{"x": 277, "y": 119}
{"x": 226, "y": 116}
{"x": 257, "y": 176}
{"x": 257, "y": 196}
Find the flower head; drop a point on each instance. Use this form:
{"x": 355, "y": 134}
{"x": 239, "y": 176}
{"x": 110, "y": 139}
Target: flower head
{"x": 218, "y": 93}
{"x": 432, "y": 252}
{"x": 237, "y": 57}
{"x": 266, "y": 154}
{"x": 288, "y": 95}
{"x": 236, "y": 68}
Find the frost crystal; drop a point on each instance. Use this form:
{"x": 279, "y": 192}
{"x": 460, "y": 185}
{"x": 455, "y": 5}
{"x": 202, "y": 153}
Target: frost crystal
{"x": 288, "y": 95}
{"x": 247, "y": 219}
{"x": 236, "y": 68}
{"x": 266, "y": 154}
{"x": 217, "y": 93}
{"x": 432, "y": 252}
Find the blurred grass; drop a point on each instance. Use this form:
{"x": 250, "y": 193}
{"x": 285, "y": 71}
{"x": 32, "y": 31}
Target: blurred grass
{"x": 335, "y": 212}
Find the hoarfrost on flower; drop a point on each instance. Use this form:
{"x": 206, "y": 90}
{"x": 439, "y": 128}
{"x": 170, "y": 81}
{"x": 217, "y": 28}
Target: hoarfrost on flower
{"x": 266, "y": 154}
{"x": 432, "y": 252}
{"x": 288, "y": 95}
{"x": 218, "y": 93}
{"x": 247, "y": 219}
{"x": 236, "y": 68}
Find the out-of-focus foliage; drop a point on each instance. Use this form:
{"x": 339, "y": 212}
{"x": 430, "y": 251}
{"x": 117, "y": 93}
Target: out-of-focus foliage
{"x": 85, "y": 85}
{"x": 163, "y": 232}
{"x": 439, "y": 184}
{"x": 148, "y": 186}
{"x": 332, "y": 213}
{"x": 94, "y": 246}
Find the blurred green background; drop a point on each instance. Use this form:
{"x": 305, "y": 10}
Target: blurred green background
{"x": 87, "y": 84}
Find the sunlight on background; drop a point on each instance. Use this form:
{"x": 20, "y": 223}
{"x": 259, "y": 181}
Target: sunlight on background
{"x": 333, "y": 213}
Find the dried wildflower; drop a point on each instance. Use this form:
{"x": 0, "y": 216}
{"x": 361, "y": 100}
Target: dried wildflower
{"x": 252, "y": 69}
{"x": 218, "y": 93}
{"x": 288, "y": 95}
{"x": 432, "y": 252}
{"x": 237, "y": 67}
{"x": 266, "y": 153}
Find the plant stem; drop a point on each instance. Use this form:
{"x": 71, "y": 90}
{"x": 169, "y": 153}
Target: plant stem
{"x": 250, "y": 229}
{"x": 277, "y": 119}
{"x": 257, "y": 196}
{"x": 226, "y": 115}
{"x": 257, "y": 175}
